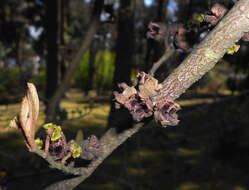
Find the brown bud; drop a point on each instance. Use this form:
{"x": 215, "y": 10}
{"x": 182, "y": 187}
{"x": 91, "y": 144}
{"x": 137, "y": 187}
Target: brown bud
{"x": 91, "y": 149}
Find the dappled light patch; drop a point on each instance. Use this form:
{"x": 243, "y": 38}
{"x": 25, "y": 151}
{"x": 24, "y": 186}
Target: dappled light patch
{"x": 239, "y": 188}
{"x": 188, "y": 186}
{"x": 136, "y": 171}
{"x": 187, "y": 152}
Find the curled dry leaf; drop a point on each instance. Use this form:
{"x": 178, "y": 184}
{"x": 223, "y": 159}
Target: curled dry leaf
{"x": 28, "y": 116}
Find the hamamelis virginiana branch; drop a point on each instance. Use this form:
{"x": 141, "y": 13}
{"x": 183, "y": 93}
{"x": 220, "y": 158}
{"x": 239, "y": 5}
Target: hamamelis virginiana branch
{"x": 203, "y": 58}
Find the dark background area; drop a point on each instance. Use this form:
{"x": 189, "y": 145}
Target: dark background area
{"x": 39, "y": 40}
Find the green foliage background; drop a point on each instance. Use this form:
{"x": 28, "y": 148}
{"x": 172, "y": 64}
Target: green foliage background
{"x": 103, "y": 75}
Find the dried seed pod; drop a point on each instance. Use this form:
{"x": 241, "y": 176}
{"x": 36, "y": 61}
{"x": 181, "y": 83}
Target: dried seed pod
{"x": 218, "y": 11}
{"x": 246, "y": 37}
{"x": 157, "y": 31}
{"x": 148, "y": 87}
{"x": 180, "y": 40}
{"x": 171, "y": 34}
{"x": 121, "y": 98}
{"x": 166, "y": 114}
{"x": 58, "y": 149}
{"x": 140, "y": 105}
{"x": 139, "y": 108}
{"x": 91, "y": 149}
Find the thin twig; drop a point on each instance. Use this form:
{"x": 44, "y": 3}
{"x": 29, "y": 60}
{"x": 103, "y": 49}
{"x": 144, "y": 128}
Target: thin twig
{"x": 167, "y": 54}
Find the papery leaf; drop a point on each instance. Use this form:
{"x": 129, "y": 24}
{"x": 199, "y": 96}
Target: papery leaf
{"x": 56, "y": 134}
{"x": 39, "y": 143}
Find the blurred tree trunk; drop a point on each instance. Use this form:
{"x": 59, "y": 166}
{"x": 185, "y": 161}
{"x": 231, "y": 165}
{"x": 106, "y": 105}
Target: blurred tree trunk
{"x": 19, "y": 60}
{"x": 124, "y": 55}
{"x": 53, "y": 62}
{"x": 61, "y": 18}
{"x": 55, "y": 94}
{"x": 91, "y": 69}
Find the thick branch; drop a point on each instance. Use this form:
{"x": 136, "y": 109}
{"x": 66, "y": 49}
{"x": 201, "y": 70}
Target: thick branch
{"x": 200, "y": 61}
{"x": 209, "y": 51}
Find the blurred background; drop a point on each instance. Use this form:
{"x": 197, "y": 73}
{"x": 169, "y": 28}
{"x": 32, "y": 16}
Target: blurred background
{"x": 80, "y": 50}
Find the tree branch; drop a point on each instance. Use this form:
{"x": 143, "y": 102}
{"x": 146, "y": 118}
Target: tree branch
{"x": 110, "y": 141}
{"x": 201, "y": 60}
{"x": 168, "y": 52}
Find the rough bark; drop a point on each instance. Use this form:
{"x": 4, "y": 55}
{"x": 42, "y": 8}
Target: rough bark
{"x": 200, "y": 61}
